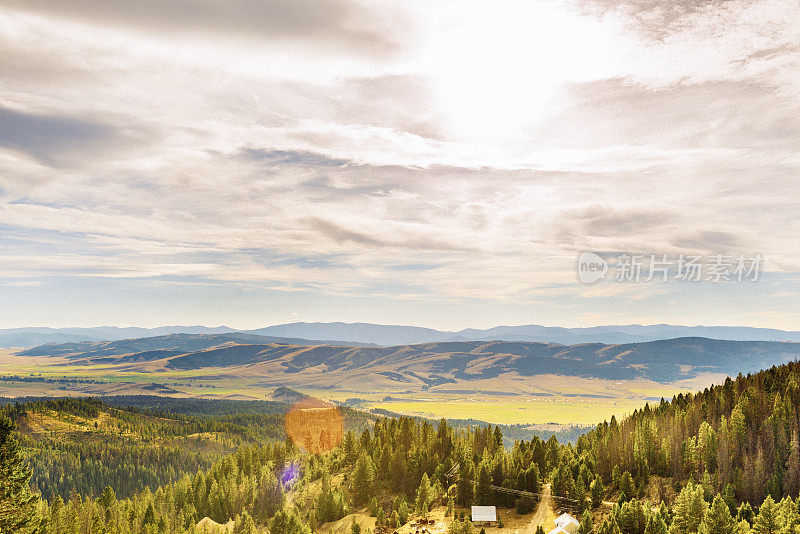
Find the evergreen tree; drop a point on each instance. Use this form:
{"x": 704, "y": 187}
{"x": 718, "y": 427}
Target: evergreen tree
{"x": 767, "y": 521}
{"x": 792, "y": 481}
{"x": 789, "y": 517}
{"x": 665, "y": 513}
{"x": 655, "y": 525}
{"x": 108, "y": 499}
{"x": 268, "y": 496}
{"x": 287, "y": 522}
{"x": 402, "y": 513}
{"x": 744, "y": 513}
{"x": 596, "y": 490}
{"x": 363, "y": 480}
{"x": 373, "y": 507}
{"x": 586, "y": 523}
{"x": 18, "y": 506}
{"x": 718, "y": 519}
{"x": 690, "y": 508}
{"x": 355, "y": 528}
{"x": 632, "y": 518}
{"x": 610, "y": 526}
{"x": 424, "y": 494}
{"x": 483, "y": 492}
{"x": 149, "y": 515}
{"x": 349, "y": 448}
{"x": 626, "y": 485}
{"x": 532, "y": 480}
{"x": 498, "y": 438}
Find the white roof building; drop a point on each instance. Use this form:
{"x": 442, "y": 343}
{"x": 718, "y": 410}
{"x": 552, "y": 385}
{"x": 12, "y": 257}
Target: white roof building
{"x": 566, "y": 524}
{"x": 484, "y": 514}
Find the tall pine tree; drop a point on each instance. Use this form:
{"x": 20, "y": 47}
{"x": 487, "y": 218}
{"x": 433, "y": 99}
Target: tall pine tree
{"x": 18, "y": 512}
{"x": 718, "y": 519}
{"x": 767, "y": 521}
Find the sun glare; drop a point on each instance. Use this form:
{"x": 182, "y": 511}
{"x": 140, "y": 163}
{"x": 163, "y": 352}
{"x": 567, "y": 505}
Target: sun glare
{"x": 497, "y": 67}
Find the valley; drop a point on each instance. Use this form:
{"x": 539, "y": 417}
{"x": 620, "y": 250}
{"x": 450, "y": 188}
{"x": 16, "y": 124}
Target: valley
{"x": 542, "y": 386}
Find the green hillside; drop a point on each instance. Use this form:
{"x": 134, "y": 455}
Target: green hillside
{"x": 739, "y": 438}
{"x": 725, "y": 460}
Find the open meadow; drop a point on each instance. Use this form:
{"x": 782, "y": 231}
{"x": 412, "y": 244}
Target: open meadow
{"x": 547, "y": 401}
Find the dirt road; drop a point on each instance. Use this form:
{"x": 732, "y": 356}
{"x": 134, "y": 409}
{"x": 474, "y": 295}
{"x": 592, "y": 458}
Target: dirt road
{"x": 544, "y": 515}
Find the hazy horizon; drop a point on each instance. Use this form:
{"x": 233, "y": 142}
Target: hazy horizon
{"x": 410, "y": 325}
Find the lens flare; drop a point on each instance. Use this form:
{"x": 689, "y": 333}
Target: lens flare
{"x": 315, "y": 426}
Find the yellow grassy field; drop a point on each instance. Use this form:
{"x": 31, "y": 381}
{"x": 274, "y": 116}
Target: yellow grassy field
{"x": 561, "y": 411}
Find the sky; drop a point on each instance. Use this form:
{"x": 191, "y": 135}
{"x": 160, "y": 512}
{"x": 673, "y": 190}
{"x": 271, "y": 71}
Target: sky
{"x": 435, "y": 163}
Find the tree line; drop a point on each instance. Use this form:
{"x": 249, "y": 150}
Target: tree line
{"x": 724, "y": 460}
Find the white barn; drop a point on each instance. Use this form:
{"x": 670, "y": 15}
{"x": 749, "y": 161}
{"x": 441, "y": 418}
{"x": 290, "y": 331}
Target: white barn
{"x": 566, "y": 524}
{"x": 484, "y": 514}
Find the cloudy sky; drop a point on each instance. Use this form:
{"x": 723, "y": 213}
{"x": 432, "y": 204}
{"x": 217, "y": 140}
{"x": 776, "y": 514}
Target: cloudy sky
{"x": 419, "y": 162}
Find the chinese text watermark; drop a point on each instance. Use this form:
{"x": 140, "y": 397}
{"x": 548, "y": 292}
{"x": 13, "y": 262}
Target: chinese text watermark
{"x": 593, "y": 267}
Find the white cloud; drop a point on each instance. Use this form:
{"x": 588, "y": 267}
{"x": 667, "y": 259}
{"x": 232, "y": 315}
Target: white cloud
{"x": 469, "y": 154}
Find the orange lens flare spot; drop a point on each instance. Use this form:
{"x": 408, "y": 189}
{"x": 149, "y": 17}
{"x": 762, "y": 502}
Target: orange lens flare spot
{"x": 317, "y": 428}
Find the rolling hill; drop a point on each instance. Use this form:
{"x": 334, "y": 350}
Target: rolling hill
{"x": 430, "y": 363}
{"x": 148, "y": 348}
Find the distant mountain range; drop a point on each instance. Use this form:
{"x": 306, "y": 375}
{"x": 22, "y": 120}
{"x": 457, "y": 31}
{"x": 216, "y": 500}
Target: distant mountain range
{"x": 33, "y": 336}
{"x": 394, "y": 335}
{"x": 427, "y": 364}
{"x": 389, "y": 335}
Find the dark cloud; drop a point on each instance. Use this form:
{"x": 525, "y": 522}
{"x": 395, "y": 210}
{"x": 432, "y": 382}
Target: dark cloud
{"x": 291, "y": 157}
{"x": 342, "y": 235}
{"x": 579, "y": 229}
{"x": 325, "y": 187}
{"x": 340, "y": 23}
{"x": 339, "y": 234}
{"x": 57, "y": 140}
{"x": 603, "y": 221}
{"x": 330, "y": 178}
{"x": 714, "y": 241}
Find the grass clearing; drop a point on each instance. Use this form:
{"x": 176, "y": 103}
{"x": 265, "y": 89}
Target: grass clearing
{"x": 562, "y": 411}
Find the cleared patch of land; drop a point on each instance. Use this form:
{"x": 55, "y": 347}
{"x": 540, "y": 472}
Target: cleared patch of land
{"x": 513, "y": 523}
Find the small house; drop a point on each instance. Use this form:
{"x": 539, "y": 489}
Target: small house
{"x": 566, "y": 524}
{"x": 485, "y": 515}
